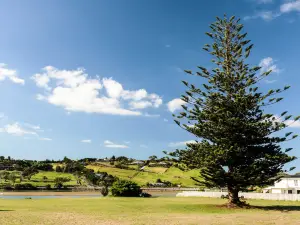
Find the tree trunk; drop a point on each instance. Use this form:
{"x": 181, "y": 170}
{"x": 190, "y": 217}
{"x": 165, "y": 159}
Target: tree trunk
{"x": 233, "y": 196}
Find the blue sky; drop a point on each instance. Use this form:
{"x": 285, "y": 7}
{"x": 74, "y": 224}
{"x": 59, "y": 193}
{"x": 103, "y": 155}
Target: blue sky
{"x": 96, "y": 78}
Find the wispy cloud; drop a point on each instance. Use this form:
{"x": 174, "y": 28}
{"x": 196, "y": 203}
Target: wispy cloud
{"x": 287, "y": 7}
{"x": 45, "y": 139}
{"x": 290, "y": 6}
{"x": 264, "y": 1}
{"x": 151, "y": 115}
{"x": 267, "y": 64}
{"x": 110, "y": 144}
{"x": 143, "y": 146}
{"x": 270, "y": 81}
{"x": 17, "y": 130}
{"x": 168, "y": 46}
{"x": 86, "y": 141}
{"x": 265, "y": 15}
{"x": 11, "y": 74}
{"x": 180, "y": 144}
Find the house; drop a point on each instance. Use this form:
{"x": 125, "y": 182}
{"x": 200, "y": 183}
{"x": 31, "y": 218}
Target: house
{"x": 286, "y": 185}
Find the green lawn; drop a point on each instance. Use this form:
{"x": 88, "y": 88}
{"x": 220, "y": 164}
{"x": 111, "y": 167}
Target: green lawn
{"x": 144, "y": 211}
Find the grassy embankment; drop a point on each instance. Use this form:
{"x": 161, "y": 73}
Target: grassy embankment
{"x": 144, "y": 211}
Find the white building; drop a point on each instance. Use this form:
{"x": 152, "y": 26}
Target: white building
{"x": 286, "y": 185}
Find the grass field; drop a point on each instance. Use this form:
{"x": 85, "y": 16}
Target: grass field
{"x": 172, "y": 174}
{"x": 169, "y": 211}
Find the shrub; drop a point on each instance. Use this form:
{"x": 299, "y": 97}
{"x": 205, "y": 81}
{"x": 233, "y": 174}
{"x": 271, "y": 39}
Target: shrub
{"x": 25, "y": 186}
{"x": 59, "y": 181}
{"x": 7, "y": 187}
{"x": 121, "y": 165}
{"x": 145, "y": 195}
{"x": 58, "y": 169}
{"x": 104, "y": 191}
{"x": 48, "y": 187}
{"x": 125, "y": 188}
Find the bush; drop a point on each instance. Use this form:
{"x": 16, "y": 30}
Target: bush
{"x": 121, "y": 165}
{"x": 59, "y": 181}
{"x": 7, "y": 187}
{"x": 145, "y": 195}
{"x": 124, "y": 188}
{"x": 48, "y": 187}
{"x": 104, "y": 191}
{"x": 58, "y": 169}
{"x": 25, "y": 186}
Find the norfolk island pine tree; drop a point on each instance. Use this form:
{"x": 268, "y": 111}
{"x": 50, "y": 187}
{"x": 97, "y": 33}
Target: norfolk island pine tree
{"x": 238, "y": 145}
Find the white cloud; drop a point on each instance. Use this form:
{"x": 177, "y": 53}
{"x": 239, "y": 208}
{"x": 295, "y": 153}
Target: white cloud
{"x": 113, "y": 88}
{"x": 289, "y": 123}
{"x": 75, "y": 91}
{"x": 151, "y": 115}
{"x": 143, "y": 146}
{"x": 175, "y": 104}
{"x": 45, "y": 139}
{"x": 26, "y": 130}
{"x": 6, "y": 73}
{"x": 270, "y": 81}
{"x": 16, "y": 129}
{"x": 40, "y": 97}
{"x": 34, "y": 127}
{"x": 110, "y": 144}
{"x": 265, "y": 15}
{"x": 180, "y": 144}
{"x": 264, "y": 1}
{"x": 168, "y": 46}
{"x": 267, "y": 64}
{"x": 86, "y": 141}
{"x": 140, "y": 104}
{"x": 41, "y": 80}
{"x": 165, "y": 120}
{"x": 290, "y": 6}
{"x": 127, "y": 142}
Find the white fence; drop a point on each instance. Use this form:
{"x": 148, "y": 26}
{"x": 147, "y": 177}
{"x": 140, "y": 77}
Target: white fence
{"x": 266, "y": 196}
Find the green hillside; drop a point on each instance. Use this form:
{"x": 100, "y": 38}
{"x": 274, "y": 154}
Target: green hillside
{"x": 171, "y": 174}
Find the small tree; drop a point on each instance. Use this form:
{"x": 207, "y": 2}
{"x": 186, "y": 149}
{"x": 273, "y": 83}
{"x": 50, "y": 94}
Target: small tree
{"x": 124, "y": 188}
{"x": 12, "y": 177}
{"x": 29, "y": 172}
{"x": 153, "y": 158}
{"x": 236, "y": 144}
{"x": 58, "y": 169}
{"x": 59, "y": 181}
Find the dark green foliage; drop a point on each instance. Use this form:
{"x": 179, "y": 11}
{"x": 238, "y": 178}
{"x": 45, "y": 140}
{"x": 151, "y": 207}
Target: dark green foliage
{"x": 58, "y": 169}
{"x": 29, "y": 172}
{"x": 25, "y": 186}
{"x": 104, "y": 191}
{"x": 124, "y": 188}
{"x": 59, "y": 181}
{"x": 43, "y": 166}
{"x": 237, "y": 145}
{"x": 145, "y": 195}
{"x": 73, "y": 167}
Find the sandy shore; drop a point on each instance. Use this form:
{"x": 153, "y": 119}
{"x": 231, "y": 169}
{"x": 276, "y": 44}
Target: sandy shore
{"x": 47, "y": 193}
